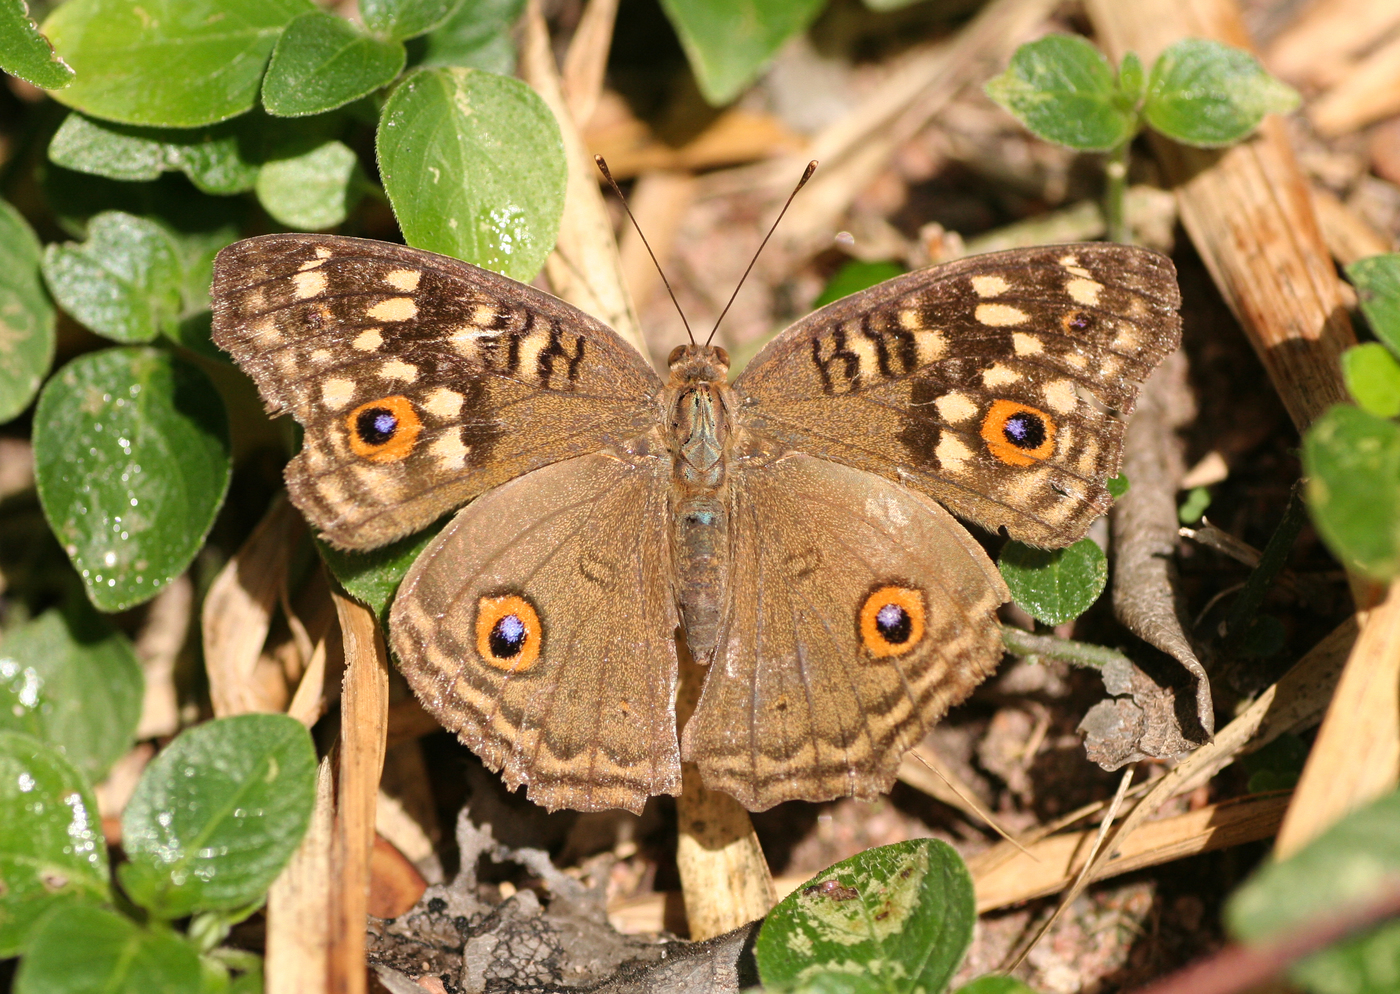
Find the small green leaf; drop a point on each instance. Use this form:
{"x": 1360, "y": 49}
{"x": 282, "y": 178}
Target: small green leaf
{"x": 476, "y": 36}
{"x": 51, "y": 846}
{"x": 1054, "y": 585}
{"x": 474, "y": 167}
{"x": 312, "y": 191}
{"x": 1195, "y": 504}
{"x": 1377, "y": 282}
{"x": 1352, "y": 461}
{"x": 323, "y": 62}
{"x": 1132, "y": 84}
{"x": 854, "y": 277}
{"x": 373, "y": 577}
{"x": 26, "y": 315}
{"x": 1063, "y": 90}
{"x": 218, "y": 813}
{"x": 93, "y": 951}
{"x": 131, "y": 459}
{"x": 728, "y": 42}
{"x": 893, "y": 919}
{"x": 1278, "y": 765}
{"x": 211, "y": 157}
{"x": 168, "y": 63}
{"x": 1118, "y": 485}
{"x": 72, "y": 680}
{"x": 123, "y": 282}
{"x": 1372, "y": 376}
{"x": 1346, "y": 866}
{"x": 1204, "y": 93}
{"x": 993, "y": 984}
{"x": 400, "y": 19}
{"x": 25, "y": 53}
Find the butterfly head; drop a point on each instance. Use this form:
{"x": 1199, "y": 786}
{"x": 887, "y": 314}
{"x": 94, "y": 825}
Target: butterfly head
{"x": 698, "y": 364}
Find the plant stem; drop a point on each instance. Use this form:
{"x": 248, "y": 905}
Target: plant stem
{"x": 1020, "y": 642}
{"x": 1115, "y": 193}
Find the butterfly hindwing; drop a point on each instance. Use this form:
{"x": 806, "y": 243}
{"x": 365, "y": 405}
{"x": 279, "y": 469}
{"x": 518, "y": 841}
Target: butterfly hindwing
{"x": 421, "y": 381}
{"x": 995, "y": 384}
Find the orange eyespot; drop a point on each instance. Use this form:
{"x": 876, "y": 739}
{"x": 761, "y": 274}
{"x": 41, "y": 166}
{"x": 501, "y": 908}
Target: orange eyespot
{"x": 508, "y": 632}
{"x": 892, "y": 621}
{"x": 1018, "y": 435}
{"x": 383, "y": 430}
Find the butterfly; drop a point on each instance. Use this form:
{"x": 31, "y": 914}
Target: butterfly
{"x": 792, "y": 528}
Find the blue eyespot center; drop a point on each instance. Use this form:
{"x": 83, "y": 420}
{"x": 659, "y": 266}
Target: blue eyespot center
{"x": 508, "y": 636}
{"x": 1024, "y": 430}
{"x": 376, "y": 425}
{"x": 894, "y": 624}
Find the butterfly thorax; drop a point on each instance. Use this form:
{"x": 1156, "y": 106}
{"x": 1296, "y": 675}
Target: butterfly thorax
{"x": 698, "y": 401}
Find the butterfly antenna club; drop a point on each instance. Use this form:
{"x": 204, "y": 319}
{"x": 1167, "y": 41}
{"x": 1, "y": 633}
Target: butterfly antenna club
{"x": 607, "y": 174}
{"x": 806, "y": 175}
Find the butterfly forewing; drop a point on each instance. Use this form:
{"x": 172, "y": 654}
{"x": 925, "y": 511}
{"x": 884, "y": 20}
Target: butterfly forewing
{"x": 421, "y": 380}
{"x": 995, "y": 384}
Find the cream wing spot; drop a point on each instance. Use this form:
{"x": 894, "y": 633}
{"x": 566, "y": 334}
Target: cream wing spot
{"x": 322, "y": 252}
{"x": 1026, "y": 344}
{"x": 331, "y": 489}
{"x": 311, "y": 264}
{"x": 1001, "y": 315}
{"x": 397, "y": 369}
{"x": 989, "y": 286}
{"x": 264, "y": 332}
{"x": 952, "y": 454}
{"x": 1061, "y": 396}
{"x": 321, "y": 356}
{"x": 1072, "y": 266}
{"x": 444, "y": 403}
{"x": 393, "y": 309}
{"x": 405, "y": 280}
{"x": 1084, "y": 291}
{"x": 910, "y": 319}
{"x": 368, "y": 340}
{"x": 1126, "y": 338}
{"x": 930, "y": 345}
{"x": 1088, "y": 461}
{"x": 449, "y": 451}
{"x": 309, "y": 284}
{"x": 337, "y": 392}
{"x": 955, "y": 408}
{"x": 484, "y": 316}
{"x": 997, "y": 375}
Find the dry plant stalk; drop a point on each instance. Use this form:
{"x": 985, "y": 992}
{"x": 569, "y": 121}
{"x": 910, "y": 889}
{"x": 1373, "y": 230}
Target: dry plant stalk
{"x": 1369, "y": 92}
{"x": 1320, "y": 46}
{"x": 1348, "y": 236}
{"x": 299, "y": 905}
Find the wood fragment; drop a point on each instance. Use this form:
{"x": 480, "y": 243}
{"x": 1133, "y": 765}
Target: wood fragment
{"x": 1348, "y": 236}
{"x": 1369, "y": 92}
{"x": 299, "y": 904}
{"x": 1327, "y": 37}
{"x": 158, "y": 647}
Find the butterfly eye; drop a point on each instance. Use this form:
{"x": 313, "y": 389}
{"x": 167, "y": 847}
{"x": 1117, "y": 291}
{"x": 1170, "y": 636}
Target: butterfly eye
{"x": 1018, "y": 435}
{"x": 383, "y": 430}
{"x": 892, "y": 621}
{"x": 508, "y": 632}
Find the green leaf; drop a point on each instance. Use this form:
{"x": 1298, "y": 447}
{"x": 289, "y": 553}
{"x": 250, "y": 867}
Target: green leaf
{"x": 93, "y": 951}
{"x": 993, "y": 984}
{"x": 1195, "y": 504}
{"x": 72, "y": 680}
{"x": 892, "y": 919}
{"x": 26, "y": 315}
{"x": 728, "y": 42}
{"x": 123, "y": 282}
{"x": 1132, "y": 85}
{"x": 854, "y": 277}
{"x": 1348, "y": 865}
{"x": 25, "y": 53}
{"x": 1054, "y": 585}
{"x": 211, "y": 157}
{"x": 373, "y": 577}
{"x": 323, "y": 62}
{"x": 402, "y": 19}
{"x": 131, "y": 459}
{"x": 312, "y": 191}
{"x": 1118, "y": 485}
{"x": 218, "y": 813}
{"x": 1278, "y": 765}
{"x": 51, "y": 846}
{"x": 474, "y": 167}
{"x": 1372, "y": 376}
{"x": 169, "y": 63}
{"x": 1352, "y": 461}
{"x": 476, "y": 36}
{"x": 1377, "y": 282}
{"x": 1063, "y": 90}
{"x": 1205, "y": 93}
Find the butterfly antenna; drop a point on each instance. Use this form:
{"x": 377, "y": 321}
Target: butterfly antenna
{"x": 806, "y": 175}
{"x": 607, "y": 174}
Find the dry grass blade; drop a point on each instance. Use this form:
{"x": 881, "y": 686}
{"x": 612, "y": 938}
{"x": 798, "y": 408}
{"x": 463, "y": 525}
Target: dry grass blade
{"x": 308, "y": 703}
{"x": 586, "y": 62}
{"x": 1327, "y": 37}
{"x": 1348, "y": 237}
{"x": 1369, "y": 92}
{"x": 923, "y": 769}
{"x": 158, "y": 646}
{"x": 298, "y": 905}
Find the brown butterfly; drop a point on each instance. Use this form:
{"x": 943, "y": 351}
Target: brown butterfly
{"x": 791, "y": 524}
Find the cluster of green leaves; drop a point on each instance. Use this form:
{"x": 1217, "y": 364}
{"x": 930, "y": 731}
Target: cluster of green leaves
{"x": 1351, "y": 454}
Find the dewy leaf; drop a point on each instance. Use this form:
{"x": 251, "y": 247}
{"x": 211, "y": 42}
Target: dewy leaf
{"x": 476, "y": 36}
{"x": 25, "y": 53}
{"x": 474, "y": 167}
{"x": 402, "y": 19}
{"x": 211, "y": 157}
{"x": 312, "y": 191}
{"x": 373, "y": 577}
{"x": 51, "y": 846}
{"x": 218, "y": 813}
{"x": 1348, "y": 865}
{"x": 26, "y": 315}
{"x": 123, "y": 282}
{"x": 1377, "y": 282}
{"x": 1372, "y": 376}
{"x": 1063, "y": 90}
{"x": 729, "y": 41}
{"x": 82, "y": 950}
{"x": 1204, "y": 93}
{"x": 72, "y": 680}
{"x": 169, "y": 63}
{"x": 892, "y": 920}
{"x": 1351, "y": 459}
{"x": 131, "y": 459}
{"x": 1054, "y": 585}
{"x": 323, "y": 62}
